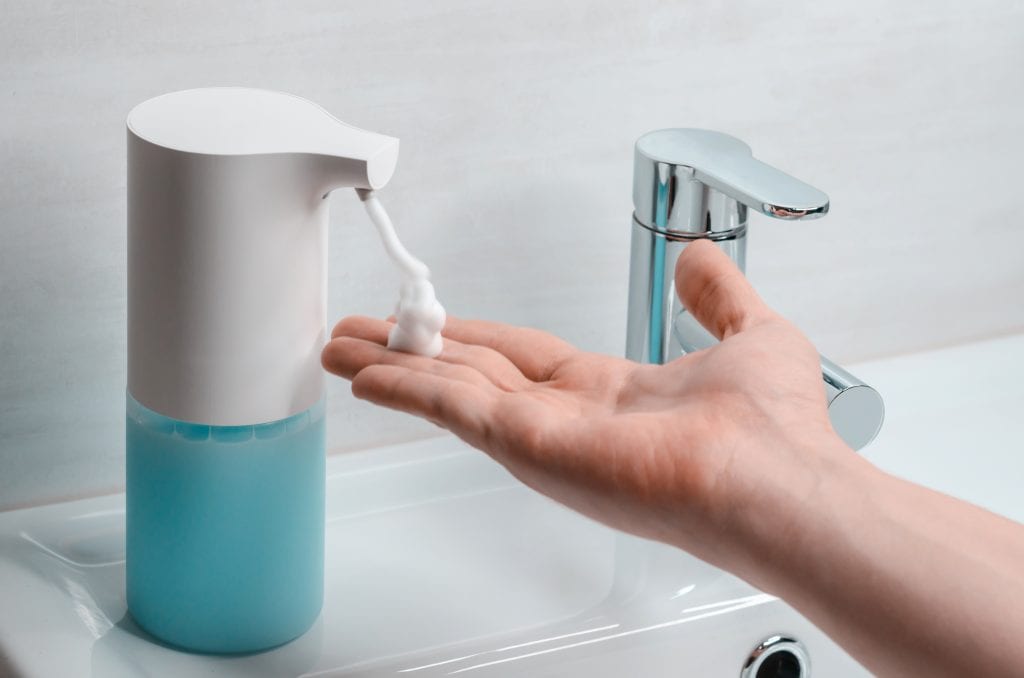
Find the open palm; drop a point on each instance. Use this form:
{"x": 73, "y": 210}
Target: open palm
{"x": 675, "y": 452}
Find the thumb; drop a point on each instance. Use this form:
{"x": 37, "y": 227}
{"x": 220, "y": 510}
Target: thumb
{"x": 716, "y": 292}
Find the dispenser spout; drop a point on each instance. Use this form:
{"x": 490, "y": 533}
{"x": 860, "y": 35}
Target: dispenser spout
{"x": 238, "y": 121}
{"x": 357, "y": 158}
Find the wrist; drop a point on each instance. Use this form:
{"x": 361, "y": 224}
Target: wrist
{"x": 785, "y": 503}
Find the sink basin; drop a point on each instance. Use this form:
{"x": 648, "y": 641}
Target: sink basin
{"x": 438, "y": 563}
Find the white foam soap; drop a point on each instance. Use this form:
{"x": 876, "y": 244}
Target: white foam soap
{"x": 419, "y": 315}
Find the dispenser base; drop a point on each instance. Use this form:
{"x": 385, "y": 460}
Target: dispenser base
{"x": 225, "y": 529}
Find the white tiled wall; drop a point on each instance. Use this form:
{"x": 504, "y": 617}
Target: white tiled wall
{"x": 517, "y": 122}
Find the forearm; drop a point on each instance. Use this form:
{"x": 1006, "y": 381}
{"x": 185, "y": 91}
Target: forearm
{"x": 908, "y": 580}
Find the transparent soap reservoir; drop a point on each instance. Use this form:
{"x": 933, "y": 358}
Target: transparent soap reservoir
{"x": 225, "y": 529}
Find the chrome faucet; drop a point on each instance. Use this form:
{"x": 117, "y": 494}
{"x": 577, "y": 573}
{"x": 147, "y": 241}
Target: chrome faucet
{"x": 691, "y": 184}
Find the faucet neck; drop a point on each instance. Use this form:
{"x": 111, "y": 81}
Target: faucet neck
{"x": 673, "y": 203}
{"x": 654, "y": 309}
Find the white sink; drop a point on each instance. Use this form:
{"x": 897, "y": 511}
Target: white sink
{"x": 440, "y": 563}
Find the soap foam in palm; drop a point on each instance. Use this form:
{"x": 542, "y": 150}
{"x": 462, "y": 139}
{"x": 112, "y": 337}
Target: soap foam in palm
{"x": 419, "y": 316}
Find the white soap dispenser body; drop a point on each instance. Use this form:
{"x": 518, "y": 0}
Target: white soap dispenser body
{"x": 227, "y": 232}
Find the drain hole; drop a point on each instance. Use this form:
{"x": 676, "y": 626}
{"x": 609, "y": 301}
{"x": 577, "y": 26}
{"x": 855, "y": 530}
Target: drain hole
{"x": 777, "y": 657}
{"x": 781, "y": 664}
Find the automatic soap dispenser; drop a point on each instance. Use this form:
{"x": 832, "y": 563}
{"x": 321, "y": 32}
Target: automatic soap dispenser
{"x": 227, "y": 233}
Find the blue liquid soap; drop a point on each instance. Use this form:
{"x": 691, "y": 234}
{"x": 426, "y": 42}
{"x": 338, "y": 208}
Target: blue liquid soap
{"x": 225, "y": 529}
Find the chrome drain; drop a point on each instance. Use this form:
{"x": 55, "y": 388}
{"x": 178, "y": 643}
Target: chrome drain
{"x": 777, "y": 657}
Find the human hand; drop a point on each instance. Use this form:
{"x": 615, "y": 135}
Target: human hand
{"x": 694, "y": 453}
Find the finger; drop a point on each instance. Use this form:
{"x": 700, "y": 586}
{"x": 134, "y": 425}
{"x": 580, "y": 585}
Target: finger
{"x": 492, "y": 364}
{"x": 535, "y": 353}
{"x": 348, "y": 356}
{"x": 716, "y": 292}
{"x": 371, "y": 329}
{"x": 463, "y": 408}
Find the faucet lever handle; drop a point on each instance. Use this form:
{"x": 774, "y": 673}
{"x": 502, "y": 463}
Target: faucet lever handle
{"x": 672, "y": 167}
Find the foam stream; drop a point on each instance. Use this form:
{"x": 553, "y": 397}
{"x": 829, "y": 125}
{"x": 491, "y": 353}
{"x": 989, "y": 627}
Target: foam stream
{"x": 419, "y": 316}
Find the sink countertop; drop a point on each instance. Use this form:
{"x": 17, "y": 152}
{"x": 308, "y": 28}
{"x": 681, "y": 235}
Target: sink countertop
{"x": 950, "y": 421}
